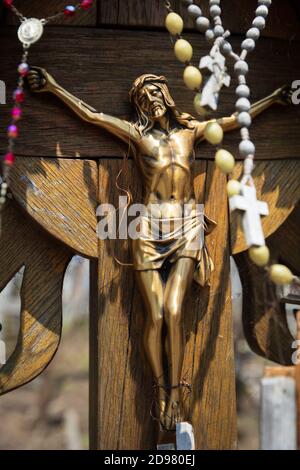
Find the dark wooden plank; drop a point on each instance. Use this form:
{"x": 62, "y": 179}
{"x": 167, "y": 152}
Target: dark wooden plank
{"x": 285, "y": 241}
{"x": 264, "y": 318}
{"x": 38, "y": 9}
{"x": 43, "y": 130}
{"x": 45, "y": 261}
{"x": 277, "y": 183}
{"x": 237, "y": 15}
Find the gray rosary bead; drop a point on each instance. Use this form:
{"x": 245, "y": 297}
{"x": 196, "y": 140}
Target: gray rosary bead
{"x": 194, "y": 11}
{"x": 259, "y": 22}
{"x": 267, "y": 3}
{"x": 244, "y": 119}
{"x": 226, "y": 47}
{"x": 218, "y": 30}
{"x": 262, "y": 10}
{"x": 215, "y": 10}
{"x": 253, "y": 33}
{"x": 246, "y": 148}
{"x": 243, "y": 104}
{"x": 243, "y": 91}
{"x": 241, "y": 67}
{"x": 209, "y": 35}
{"x": 202, "y": 24}
{"x": 248, "y": 44}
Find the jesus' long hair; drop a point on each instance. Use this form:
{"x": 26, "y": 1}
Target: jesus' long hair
{"x": 144, "y": 122}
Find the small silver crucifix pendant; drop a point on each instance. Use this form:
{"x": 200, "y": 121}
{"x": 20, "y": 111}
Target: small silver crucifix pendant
{"x": 252, "y": 210}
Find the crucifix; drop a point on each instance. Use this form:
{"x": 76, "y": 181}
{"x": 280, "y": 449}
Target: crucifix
{"x": 252, "y": 210}
{"x": 162, "y": 141}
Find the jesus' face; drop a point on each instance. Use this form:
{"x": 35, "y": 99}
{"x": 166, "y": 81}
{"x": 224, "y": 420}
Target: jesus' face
{"x": 152, "y": 102}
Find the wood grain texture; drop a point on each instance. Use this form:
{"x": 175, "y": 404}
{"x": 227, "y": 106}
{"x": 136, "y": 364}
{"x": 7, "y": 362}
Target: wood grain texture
{"x": 38, "y": 9}
{"x": 277, "y": 183}
{"x": 61, "y": 195}
{"x": 45, "y": 261}
{"x": 120, "y": 372}
{"x": 213, "y": 379}
{"x": 279, "y": 371}
{"x": 285, "y": 241}
{"x": 264, "y": 319}
{"x": 237, "y": 15}
{"x": 111, "y": 318}
{"x": 47, "y": 123}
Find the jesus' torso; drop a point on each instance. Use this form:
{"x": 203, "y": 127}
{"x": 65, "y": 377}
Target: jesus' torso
{"x": 166, "y": 163}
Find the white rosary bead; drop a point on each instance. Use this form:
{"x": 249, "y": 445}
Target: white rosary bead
{"x": 246, "y": 148}
{"x": 253, "y": 33}
{"x": 241, "y": 67}
{"x": 248, "y": 165}
{"x": 4, "y": 185}
{"x": 242, "y": 104}
{"x": 218, "y": 21}
{"x": 2, "y": 200}
{"x": 248, "y": 44}
{"x": 244, "y": 54}
{"x": 202, "y": 24}
{"x": 244, "y": 119}
{"x": 259, "y": 22}
{"x": 262, "y": 10}
{"x": 243, "y": 91}
{"x": 245, "y": 133}
{"x": 194, "y": 11}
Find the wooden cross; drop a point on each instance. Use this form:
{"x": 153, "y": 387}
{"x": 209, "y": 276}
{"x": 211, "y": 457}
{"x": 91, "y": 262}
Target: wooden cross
{"x": 61, "y": 194}
{"x": 252, "y": 210}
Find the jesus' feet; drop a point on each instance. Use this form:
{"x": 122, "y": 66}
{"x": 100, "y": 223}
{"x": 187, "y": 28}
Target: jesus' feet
{"x": 173, "y": 410}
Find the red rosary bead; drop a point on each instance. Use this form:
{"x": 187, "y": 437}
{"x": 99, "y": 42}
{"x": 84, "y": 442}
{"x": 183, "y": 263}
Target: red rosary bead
{"x": 16, "y": 113}
{"x": 86, "y": 4}
{"x": 23, "y": 69}
{"x": 70, "y": 10}
{"x": 8, "y": 3}
{"x": 9, "y": 159}
{"x": 19, "y": 95}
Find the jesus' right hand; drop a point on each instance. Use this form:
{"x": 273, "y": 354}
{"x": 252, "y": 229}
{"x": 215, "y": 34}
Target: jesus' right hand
{"x": 40, "y": 80}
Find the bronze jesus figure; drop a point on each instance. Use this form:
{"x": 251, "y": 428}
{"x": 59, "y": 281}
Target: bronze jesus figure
{"x": 163, "y": 141}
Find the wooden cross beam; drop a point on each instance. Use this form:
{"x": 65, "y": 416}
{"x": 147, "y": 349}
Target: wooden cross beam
{"x": 252, "y": 210}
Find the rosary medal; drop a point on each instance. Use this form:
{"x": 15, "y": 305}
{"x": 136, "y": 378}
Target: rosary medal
{"x": 30, "y": 31}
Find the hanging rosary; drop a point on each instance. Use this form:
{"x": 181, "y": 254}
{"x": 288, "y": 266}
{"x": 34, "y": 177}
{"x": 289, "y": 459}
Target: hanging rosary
{"x": 29, "y": 32}
{"x": 242, "y": 194}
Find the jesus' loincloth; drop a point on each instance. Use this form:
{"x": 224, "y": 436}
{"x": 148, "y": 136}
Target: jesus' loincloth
{"x": 161, "y": 240}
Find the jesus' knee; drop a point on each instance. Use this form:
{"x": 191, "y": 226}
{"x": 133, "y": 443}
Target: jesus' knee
{"x": 173, "y": 314}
